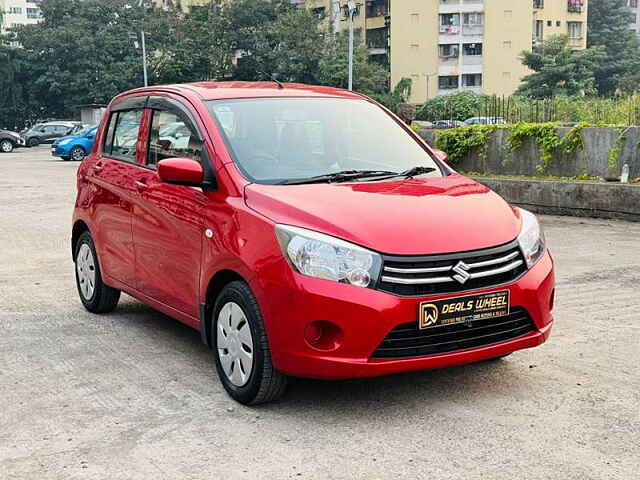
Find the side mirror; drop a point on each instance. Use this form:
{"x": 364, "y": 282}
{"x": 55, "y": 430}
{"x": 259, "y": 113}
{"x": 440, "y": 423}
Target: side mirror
{"x": 440, "y": 155}
{"x": 181, "y": 171}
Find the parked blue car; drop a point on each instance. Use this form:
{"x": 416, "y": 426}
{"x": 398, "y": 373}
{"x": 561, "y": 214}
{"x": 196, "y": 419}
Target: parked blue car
{"x": 75, "y": 147}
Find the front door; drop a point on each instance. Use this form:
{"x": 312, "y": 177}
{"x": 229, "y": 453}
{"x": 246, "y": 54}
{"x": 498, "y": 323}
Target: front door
{"x": 168, "y": 226}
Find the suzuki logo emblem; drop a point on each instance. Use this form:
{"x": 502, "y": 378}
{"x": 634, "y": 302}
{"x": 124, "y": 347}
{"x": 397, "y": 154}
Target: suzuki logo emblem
{"x": 461, "y": 271}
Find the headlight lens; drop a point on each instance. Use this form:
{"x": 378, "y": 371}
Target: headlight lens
{"x": 322, "y": 256}
{"x": 531, "y": 238}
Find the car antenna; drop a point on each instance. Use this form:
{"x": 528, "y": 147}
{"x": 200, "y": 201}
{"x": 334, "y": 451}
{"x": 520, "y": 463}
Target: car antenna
{"x": 280, "y": 84}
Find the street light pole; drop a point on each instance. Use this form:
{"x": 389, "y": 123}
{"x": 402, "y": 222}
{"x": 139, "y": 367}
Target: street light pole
{"x": 144, "y": 58}
{"x": 352, "y": 9}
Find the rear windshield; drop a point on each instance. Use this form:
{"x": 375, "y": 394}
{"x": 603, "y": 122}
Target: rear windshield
{"x": 275, "y": 140}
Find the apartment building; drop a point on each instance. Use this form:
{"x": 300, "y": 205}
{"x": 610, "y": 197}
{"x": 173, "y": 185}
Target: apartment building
{"x": 18, "y": 12}
{"x": 446, "y": 46}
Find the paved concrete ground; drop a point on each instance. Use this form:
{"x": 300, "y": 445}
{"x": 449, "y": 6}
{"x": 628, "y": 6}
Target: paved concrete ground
{"x": 134, "y": 395}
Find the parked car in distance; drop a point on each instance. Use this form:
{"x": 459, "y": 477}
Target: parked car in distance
{"x": 304, "y": 231}
{"x": 448, "y": 124}
{"x": 75, "y": 147}
{"x": 485, "y": 121}
{"x": 10, "y": 140}
{"x": 48, "y": 132}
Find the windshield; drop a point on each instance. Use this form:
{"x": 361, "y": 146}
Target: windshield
{"x": 275, "y": 140}
{"x": 87, "y": 131}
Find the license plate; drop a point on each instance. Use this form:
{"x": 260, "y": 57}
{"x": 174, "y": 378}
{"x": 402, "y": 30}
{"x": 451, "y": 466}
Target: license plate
{"x": 463, "y": 309}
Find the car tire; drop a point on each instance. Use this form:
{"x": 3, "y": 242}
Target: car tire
{"x": 241, "y": 349}
{"x": 77, "y": 154}
{"x": 94, "y": 294}
{"x": 6, "y": 146}
{"x": 33, "y": 142}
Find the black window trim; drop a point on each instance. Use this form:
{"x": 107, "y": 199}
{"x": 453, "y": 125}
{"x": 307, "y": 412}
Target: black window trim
{"x": 167, "y": 104}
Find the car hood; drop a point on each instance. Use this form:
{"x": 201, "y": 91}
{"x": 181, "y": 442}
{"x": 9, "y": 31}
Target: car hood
{"x": 403, "y": 217}
{"x": 58, "y": 140}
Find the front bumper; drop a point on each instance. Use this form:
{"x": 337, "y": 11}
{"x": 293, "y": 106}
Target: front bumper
{"x": 366, "y": 316}
{"x": 59, "y": 150}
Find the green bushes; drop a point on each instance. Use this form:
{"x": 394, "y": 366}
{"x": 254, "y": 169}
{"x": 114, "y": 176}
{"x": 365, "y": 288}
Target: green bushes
{"x": 454, "y": 106}
{"x": 458, "y": 142}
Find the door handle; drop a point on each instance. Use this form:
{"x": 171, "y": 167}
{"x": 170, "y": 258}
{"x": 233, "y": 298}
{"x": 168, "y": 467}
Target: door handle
{"x": 141, "y": 186}
{"x": 97, "y": 168}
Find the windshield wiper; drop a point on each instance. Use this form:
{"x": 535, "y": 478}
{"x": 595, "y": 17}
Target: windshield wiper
{"x": 343, "y": 176}
{"x": 412, "y": 172}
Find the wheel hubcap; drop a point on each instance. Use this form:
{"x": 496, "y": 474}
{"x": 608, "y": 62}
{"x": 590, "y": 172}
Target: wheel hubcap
{"x": 86, "y": 268}
{"x": 6, "y": 146}
{"x": 235, "y": 344}
{"x": 77, "y": 154}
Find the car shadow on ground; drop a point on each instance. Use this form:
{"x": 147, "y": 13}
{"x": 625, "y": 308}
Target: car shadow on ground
{"x": 492, "y": 379}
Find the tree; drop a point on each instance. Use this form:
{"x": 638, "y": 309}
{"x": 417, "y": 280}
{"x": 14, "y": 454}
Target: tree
{"x": 609, "y": 22}
{"x": 559, "y": 70}
{"x": 282, "y": 42}
{"x": 368, "y": 77}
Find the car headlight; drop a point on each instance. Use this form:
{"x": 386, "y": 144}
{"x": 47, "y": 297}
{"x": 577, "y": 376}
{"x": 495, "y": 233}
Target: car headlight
{"x": 322, "y": 256}
{"x": 531, "y": 238}
{"x": 64, "y": 142}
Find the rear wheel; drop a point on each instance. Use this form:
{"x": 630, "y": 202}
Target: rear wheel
{"x": 241, "y": 349}
{"x": 6, "y": 146}
{"x": 94, "y": 294}
{"x": 77, "y": 154}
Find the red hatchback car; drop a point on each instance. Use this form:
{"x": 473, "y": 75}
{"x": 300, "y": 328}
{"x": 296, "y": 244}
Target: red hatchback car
{"x": 304, "y": 231}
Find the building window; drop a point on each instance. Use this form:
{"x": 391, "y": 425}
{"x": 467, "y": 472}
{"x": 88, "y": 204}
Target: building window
{"x": 449, "y": 50}
{"x": 549, "y": 23}
{"x": 633, "y": 3}
{"x": 539, "y": 32}
{"x": 33, "y": 13}
{"x": 507, "y": 44}
{"x": 15, "y": 10}
{"x": 575, "y": 6}
{"x": 538, "y": 3}
{"x": 320, "y": 12}
{"x": 450, "y": 23}
{"x": 472, "y": 80}
{"x": 574, "y": 30}
{"x": 472, "y": 49}
{"x": 472, "y": 23}
{"x": 449, "y": 82}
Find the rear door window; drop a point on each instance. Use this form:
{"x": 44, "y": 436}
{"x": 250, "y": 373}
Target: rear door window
{"x": 122, "y": 134}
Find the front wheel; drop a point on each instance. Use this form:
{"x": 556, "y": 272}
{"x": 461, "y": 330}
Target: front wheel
{"x": 77, "y": 154}
{"x": 6, "y": 146}
{"x": 241, "y": 349}
{"x": 33, "y": 142}
{"x": 94, "y": 294}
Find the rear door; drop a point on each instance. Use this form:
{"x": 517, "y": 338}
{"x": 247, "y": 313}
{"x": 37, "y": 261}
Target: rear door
{"x": 168, "y": 226}
{"x": 112, "y": 173}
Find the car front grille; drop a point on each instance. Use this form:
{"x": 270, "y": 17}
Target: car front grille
{"x": 407, "y": 340}
{"x": 440, "y": 274}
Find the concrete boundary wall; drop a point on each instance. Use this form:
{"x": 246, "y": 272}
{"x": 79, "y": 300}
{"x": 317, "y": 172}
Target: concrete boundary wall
{"x": 581, "y": 199}
{"x": 593, "y": 160}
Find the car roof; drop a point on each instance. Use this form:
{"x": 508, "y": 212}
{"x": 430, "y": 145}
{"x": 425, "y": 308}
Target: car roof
{"x": 236, "y": 90}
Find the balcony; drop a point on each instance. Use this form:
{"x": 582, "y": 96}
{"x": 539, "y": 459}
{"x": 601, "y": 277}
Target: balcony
{"x": 449, "y": 29}
{"x": 469, "y": 30}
